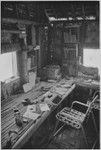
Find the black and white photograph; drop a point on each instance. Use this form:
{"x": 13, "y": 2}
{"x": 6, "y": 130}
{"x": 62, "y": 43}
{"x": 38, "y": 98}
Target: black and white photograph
{"x": 50, "y": 74}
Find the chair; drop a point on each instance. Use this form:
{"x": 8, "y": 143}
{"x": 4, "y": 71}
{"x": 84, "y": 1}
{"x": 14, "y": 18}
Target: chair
{"x": 75, "y": 116}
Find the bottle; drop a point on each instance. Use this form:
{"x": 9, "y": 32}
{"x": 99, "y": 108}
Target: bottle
{"x": 18, "y": 117}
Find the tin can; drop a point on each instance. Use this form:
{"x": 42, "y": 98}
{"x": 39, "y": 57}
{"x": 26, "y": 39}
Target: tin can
{"x": 18, "y": 117}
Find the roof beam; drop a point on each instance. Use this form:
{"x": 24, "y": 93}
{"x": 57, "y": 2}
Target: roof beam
{"x": 8, "y": 20}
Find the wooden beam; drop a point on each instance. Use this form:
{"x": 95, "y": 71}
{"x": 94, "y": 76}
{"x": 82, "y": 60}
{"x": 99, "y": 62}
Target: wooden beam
{"x": 72, "y": 21}
{"x": 11, "y": 31}
{"x": 8, "y": 20}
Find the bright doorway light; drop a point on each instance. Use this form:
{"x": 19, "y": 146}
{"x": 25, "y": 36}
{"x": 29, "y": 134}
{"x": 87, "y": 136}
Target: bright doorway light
{"x": 8, "y": 66}
{"x": 91, "y": 58}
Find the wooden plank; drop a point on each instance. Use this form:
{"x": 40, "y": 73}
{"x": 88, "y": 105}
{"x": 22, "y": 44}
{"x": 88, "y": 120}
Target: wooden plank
{"x": 11, "y": 31}
{"x": 8, "y": 20}
{"x": 87, "y": 85}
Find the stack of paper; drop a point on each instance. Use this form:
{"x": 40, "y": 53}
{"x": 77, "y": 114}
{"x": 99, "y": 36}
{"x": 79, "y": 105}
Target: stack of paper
{"x": 60, "y": 91}
{"x": 31, "y": 112}
{"x": 44, "y": 107}
{"x": 66, "y": 85}
{"x": 31, "y": 115}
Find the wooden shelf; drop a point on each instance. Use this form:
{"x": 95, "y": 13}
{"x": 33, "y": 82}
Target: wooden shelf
{"x": 11, "y": 31}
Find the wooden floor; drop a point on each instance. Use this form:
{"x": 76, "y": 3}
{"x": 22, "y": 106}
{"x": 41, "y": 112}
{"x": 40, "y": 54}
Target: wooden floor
{"x": 67, "y": 138}
{"x": 71, "y": 138}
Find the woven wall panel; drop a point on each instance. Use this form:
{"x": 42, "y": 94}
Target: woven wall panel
{"x": 92, "y": 35}
{"x": 7, "y": 47}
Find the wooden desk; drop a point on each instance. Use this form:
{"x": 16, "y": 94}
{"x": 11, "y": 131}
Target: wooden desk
{"x": 93, "y": 85}
{"x": 26, "y": 131}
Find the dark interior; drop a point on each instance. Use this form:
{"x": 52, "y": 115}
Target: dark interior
{"x": 49, "y": 58}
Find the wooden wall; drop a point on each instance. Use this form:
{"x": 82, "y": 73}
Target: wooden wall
{"x": 89, "y": 38}
{"x": 43, "y": 42}
{"x": 36, "y": 35}
{"x": 55, "y": 46}
{"x": 42, "y": 53}
{"x": 91, "y": 35}
{"x": 14, "y": 41}
{"x": 50, "y": 40}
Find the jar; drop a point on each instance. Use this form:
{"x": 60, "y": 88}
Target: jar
{"x": 18, "y": 117}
